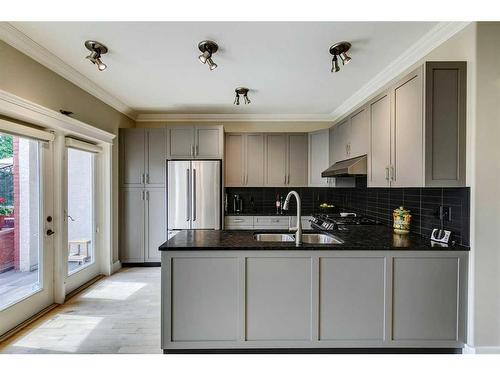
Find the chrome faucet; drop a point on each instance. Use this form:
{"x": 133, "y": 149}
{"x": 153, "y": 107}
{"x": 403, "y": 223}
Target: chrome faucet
{"x": 298, "y": 229}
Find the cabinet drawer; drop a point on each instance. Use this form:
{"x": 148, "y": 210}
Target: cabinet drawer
{"x": 273, "y": 222}
{"x": 239, "y": 222}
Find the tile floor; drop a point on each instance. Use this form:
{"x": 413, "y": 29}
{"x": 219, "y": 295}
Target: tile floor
{"x": 118, "y": 314}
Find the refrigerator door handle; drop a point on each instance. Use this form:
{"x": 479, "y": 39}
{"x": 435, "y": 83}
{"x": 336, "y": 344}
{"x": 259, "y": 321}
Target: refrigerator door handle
{"x": 188, "y": 209}
{"x": 194, "y": 194}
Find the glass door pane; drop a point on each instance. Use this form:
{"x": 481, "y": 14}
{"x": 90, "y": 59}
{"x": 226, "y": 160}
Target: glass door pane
{"x": 80, "y": 212}
{"x": 21, "y": 264}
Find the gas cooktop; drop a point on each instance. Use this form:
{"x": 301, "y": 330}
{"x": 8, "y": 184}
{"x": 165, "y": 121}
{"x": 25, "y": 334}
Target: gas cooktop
{"x": 339, "y": 221}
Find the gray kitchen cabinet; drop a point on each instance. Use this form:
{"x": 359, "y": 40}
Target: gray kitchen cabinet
{"x": 238, "y": 222}
{"x": 192, "y": 142}
{"x": 359, "y": 133}
{"x": 407, "y": 167}
{"x": 132, "y": 228}
{"x": 341, "y": 136}
{"x": 297, "y": 160}
{"x": 155, "y": 223}
{"x": 226, "y": 299}
{"x": 352, "y": 295}
{"x": 276, "y": 160}
{"x": 379, "y": 157}
{"x": 271, "y": 222}
{"x": 143, "y": 224}
{"x": 205, "y": 294}
{"x": 254, "y": 160}
{"x": 143, "y": 154}
{"x": 445, "y": 127}
{"x": 278, "y": 298}
{"x": 319, "y": 157}
{"x": 426, "y": 298}
{"x": 234, "y": 160}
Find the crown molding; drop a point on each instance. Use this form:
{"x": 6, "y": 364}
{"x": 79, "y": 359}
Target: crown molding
{"x": 28, "y": 46}
{"x": 172, "y": 117}
{"x": 21, "y": 109}
{"x": 432, "y": 39}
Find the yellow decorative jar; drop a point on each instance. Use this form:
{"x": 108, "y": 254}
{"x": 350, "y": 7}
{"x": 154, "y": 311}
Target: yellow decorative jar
{"x": 402, "y": 220}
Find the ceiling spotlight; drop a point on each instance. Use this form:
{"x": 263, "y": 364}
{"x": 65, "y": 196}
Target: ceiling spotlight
{"x": 339, "y": 50}
{"x": 207, "y": 47}
{"x": 241, "y": 91}
{"x": 96, "y": 50}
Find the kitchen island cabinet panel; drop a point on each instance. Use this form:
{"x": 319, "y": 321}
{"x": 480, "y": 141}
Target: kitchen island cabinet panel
{"x": 205, "y": 296}
{"x": 352, "y": 298}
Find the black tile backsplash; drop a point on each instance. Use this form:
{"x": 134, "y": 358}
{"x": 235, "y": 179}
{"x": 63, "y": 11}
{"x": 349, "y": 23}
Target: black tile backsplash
{"x": 376, "y": 203}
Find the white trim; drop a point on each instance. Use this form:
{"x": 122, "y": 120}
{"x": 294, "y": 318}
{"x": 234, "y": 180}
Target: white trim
{"x": 481, "y": 349}
{"x": 432, "y": 39}
{"x": 159, "y": 117}
{"x": 468, "y": 349}
{"x": 16, "y": 107}
{"x": 79, "y": 145}
{"x": 116, "y": 266}
{"x": 13, "y": 128}
{"x": 28, "y": 46}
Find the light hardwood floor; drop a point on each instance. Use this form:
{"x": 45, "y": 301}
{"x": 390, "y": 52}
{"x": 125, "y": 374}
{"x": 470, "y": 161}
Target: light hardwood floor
{"x": 118, "y": 314}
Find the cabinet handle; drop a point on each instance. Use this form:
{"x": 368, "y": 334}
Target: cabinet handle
{"x": 285, "y": 180}
{"x": 147, "y": 195}
{"x": 246, "y": 180}
{"x": 143, "y": 196}
{"x": 194, "y": 194}
{"x": 142, "y": 178}
{"x": 192, "y": 150}
{"x": 238, "y": 220}
{"x": 188, "y": 198}
{"x": 147, "y": 178}
{"x": 387, "y": 173}
{"x": 391, "y": 174}
{"x": 196, "y": 151}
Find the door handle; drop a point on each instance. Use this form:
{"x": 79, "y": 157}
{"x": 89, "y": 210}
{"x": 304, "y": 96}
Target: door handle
{"x": 147, "y": 178}
{"x": 391, "y": 174}
{"x": 194, "y": 194}
{"x": 147, "y": 195}
{"x": 50, "y": 232}
{"x": 188, "y": 196}
{"x": 196, "y": 151}
{"x": 142, "y": 178}
{"x": 387, "y": 173}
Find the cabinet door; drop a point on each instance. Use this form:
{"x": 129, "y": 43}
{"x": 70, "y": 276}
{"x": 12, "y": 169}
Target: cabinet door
{"x": 132, "y": 225}
{"x": 407, "y": 134}
{"x": 297, "y": 159}
{"x": 156, "y": 223}
{"x": 319, "y": 157}
{"x": 352, "y": 298}
{"x": 156, "y": 157}
{"x": 233, "y": 161}
{"x": 360, "y": 132}
{"x": 340, "y": 141}
{"x": 380, "y": 141}
{"x": 132, "y": 152}
{"x": 254, "y": 160}
{"x": 276, "y": 149}
{"x": 208, "y": 142}
{"x": 181, "y": 142}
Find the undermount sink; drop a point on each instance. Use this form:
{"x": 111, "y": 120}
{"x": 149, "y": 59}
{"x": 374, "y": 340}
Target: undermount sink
{"x": 309, "y": 238}
{"x": 274, "y": 237}
{"x": 320, "y": 238}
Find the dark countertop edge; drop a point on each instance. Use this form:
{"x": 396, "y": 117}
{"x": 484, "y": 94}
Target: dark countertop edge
{"x": 268, "y": 214}
{"x": 312, "y": 248}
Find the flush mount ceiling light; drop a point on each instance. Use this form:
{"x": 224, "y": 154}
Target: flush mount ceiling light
{"x": 207, "y": 47}
{"x": 339, "y": 50}
{"x": 241, "y": 91}
{"x": 96, "y": 50}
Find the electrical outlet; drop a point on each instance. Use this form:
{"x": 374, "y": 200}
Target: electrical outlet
{"x": 445, "y": 213}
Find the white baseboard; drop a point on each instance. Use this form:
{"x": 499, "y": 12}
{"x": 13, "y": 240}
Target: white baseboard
{"x": 481, "y": 349}
{"x": 116, "y": 266}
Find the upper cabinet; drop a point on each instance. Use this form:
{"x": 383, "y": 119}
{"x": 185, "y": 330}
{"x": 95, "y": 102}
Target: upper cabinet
{"x": 143, "y": 154}
{"x": 195, "y": 142}
{"x": 350, "y": 137}
{"x": 319, "y": 157}
{"x": 340, "y": 145}
{"x": 276, "y": 161}
{"x": 244, "y": 159}
{"x": 399, "y": 155}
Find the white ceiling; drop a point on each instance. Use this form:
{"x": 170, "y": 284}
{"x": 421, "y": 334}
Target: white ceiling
{"x": 154, "y": 67}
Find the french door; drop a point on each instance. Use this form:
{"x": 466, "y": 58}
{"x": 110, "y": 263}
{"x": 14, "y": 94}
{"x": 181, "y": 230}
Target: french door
{"x": 26, "y": 228}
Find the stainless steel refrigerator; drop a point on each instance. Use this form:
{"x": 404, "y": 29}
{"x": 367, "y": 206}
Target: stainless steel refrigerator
{"x": 194, "y": 194}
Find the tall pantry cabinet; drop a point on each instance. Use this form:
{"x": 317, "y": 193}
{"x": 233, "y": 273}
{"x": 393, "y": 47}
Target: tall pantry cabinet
{"x": 143, "y": 222}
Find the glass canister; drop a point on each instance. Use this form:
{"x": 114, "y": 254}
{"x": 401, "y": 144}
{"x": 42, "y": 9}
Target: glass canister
{"x": 402, "y": 220}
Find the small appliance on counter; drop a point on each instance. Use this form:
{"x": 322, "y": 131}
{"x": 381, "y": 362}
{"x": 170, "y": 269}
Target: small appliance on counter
{"x": 237, "y": 204}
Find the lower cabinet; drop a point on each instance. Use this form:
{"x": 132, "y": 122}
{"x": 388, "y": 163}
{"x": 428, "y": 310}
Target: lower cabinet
{"x": 143, "y": 224}
{"x": 313, "y": 299}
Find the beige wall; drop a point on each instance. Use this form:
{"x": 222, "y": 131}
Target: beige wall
{"x": 24, "y": 77}
{"x": 250, "y": 126}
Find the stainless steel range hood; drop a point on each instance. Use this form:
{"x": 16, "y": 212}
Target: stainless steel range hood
{"x": 357, "y": 166}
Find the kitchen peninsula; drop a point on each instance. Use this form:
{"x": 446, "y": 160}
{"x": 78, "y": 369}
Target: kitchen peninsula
{"x": 224, "y": 290}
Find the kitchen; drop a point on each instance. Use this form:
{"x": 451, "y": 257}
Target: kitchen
{"x": 246, "y": 204}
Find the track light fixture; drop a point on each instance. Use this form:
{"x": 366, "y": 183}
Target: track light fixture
{"x": 241, "y": 91}
{"x": 96, "y": 50}
{"x": 339, "y": 50}
{"x": 207, "y": 47}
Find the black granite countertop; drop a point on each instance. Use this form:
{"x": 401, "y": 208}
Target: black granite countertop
{"x": 359, "y": 237}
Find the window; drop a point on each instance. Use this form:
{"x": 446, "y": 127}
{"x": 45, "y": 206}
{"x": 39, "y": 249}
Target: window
{"x": 20, "y": 219}
{"x": 80, "y": 209}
